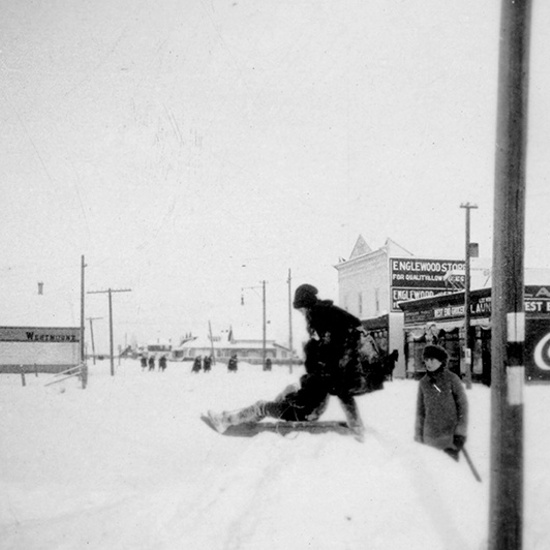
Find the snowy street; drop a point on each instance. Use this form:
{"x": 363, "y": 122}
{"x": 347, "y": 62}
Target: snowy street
{"x": 128, "y": 464}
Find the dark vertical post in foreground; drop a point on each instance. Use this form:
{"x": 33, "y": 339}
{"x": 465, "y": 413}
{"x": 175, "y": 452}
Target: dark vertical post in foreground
{"x": 508, "y": 317}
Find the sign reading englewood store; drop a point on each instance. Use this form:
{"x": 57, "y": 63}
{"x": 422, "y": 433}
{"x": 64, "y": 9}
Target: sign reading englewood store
{"x": 414, "y": 278}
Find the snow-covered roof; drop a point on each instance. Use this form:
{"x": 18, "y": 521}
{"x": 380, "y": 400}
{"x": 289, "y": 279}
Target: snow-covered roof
{"x": 224, "y": 343}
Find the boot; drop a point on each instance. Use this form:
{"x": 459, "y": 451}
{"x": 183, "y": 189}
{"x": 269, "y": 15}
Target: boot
{"x": 353, "y": 418}
{"x": 222, "y": 421}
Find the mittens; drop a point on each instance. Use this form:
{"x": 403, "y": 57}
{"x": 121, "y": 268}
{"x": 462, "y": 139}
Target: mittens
{"x": 453, "y": 453}
{"x": 458, "y": 441}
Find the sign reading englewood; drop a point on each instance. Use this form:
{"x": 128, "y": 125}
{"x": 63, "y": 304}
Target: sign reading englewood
{"x": 413, "y": 278}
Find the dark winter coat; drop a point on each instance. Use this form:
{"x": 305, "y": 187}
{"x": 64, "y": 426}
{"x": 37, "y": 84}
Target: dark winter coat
{"x": 441, "y": 409}
{"x": 232, "y": 364}
{"x": 332, "y": 353}
{"x": 197, "y": 364}
{"x": 332, "y": 362}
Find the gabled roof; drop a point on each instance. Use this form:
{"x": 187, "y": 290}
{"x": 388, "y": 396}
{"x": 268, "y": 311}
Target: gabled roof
{"x": 395, "y": 249}
{"x": 390, "y": 248}
{"x": 361, "y": 247}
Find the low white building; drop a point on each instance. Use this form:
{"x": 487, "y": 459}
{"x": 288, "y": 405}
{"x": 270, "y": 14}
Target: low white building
{"x": 221, "y": 348}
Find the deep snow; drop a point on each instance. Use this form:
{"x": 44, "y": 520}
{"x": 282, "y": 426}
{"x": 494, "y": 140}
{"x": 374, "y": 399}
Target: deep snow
{"x": 128, "y": 464}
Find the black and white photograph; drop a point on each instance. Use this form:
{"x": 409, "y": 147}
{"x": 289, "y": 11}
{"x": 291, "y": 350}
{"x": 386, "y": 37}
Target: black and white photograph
{"x": 274, "y": 275}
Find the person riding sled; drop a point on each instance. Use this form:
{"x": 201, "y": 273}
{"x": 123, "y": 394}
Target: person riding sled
{"x": 337, "y": 362}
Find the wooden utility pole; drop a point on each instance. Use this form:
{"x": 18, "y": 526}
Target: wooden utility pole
{"x": 290, "y": 318}
{"x": 211, "y": 343}
{"x": 110, "y": 291}
{"x": 467, "y": 338}
{"x": 507, "y": 299}
{"x": 82, "y": 292}
{"x": 264, "y": 319}
{"x": 264, "y": 351}
{"x": 83, "y": 365}
{"x": 92, "y": 335}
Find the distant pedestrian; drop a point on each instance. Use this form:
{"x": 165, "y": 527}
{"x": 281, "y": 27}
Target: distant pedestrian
{"x": 197, "y": 364}
{"x": 267, "y": 364}
{"x": 162, "y": 363}
{"x": 442, "y": 405}
{"x": 151, "y": 362}
{"x": 232, "y": 364}
{"x": 207, "y": 363}
{"x": 143, "y": 361}
{"x": 390, "y": 364}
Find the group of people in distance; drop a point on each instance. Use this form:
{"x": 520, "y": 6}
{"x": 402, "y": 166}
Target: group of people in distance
{"x": 200, "y": 363}
{"x": 205, "y": 363}
{"x": 343, "y": 361}
{"x": 149, "y": 362}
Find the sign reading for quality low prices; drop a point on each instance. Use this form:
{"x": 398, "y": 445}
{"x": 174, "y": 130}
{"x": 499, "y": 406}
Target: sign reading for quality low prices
{"x": 414, "y": 278}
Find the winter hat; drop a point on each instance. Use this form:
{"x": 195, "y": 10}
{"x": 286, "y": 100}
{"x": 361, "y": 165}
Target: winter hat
{"x": 305, "y": 296}
{"x": 436, "y": 352}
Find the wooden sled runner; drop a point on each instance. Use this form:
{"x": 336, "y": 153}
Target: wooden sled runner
{"x": 283, "y": 428}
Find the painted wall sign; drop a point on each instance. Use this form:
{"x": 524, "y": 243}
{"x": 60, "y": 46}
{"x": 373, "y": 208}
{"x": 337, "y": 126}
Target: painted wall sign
{"x": 411, "y": 279}
{"x": 537, "y": 350}
{"x": 42, "y": 346}
{"x": 450, "y": 309}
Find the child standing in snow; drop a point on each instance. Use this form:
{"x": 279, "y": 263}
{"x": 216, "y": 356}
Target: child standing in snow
{"x": 442, "y": 406}
{"x": 332, "y": 366}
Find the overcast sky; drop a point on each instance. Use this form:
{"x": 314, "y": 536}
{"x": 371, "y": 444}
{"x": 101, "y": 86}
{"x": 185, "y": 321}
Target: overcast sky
{"x": 189, "y": 149}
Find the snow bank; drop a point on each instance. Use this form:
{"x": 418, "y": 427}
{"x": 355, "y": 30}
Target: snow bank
{"x": 128, "y": 464}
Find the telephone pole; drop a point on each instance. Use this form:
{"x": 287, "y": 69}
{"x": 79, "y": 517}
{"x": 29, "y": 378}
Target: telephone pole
{"x": 92, "y": 335}
{"x": 82, "y": 294}
{"x": 83, "y": 365}
{"x": 290, "y": 318}
{"x": 507, "y": 298}
{"x": 264, "y": 325}
{"x": 264, "y": 321}
{"x": 110, "y": 291}
{"x": 467, "y": 338}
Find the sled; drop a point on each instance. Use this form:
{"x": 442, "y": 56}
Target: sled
{"x": 251, "y": 429}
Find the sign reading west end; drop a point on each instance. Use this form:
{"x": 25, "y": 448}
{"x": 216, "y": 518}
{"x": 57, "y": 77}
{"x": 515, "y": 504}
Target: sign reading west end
{"x": 414, "y": 278}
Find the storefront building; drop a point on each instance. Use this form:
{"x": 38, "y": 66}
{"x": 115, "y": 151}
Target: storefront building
{"x": 440, "y": 320}
{"x": 372, "y": 283}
